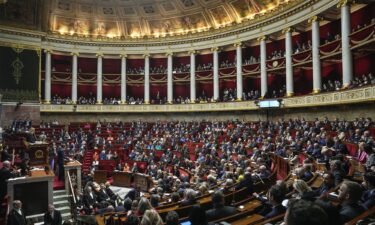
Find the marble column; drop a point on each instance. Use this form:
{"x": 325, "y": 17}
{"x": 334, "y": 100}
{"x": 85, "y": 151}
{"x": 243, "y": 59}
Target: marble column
{"x": 347, "y": 61}
{"x": 47, "y": 78}
{"x": 123, "y": 78}
{"x": 99, "y": 84}
{"x": 170, "y": 78}
{"x": 288, "y": 62}
{"x": 74, "y": 76}
{"x": 263, "y": 67}
{"x": 239, "y": 70}
{"x": 192, "y": 77}
{"x": 147, "y": 79}
{"x": 317, "y": 79}
{"x": 215, "y": 52}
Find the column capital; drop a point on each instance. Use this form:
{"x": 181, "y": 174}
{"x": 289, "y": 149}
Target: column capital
{"x": 315, "y": 19}
{"x": 169, "y": 54}
{"x": 288, "y": 30}
{"x": 262, "y": 38}
{"x": 48, "y": 51}
{"x": 192, "y": 51}
{"x": 74, "y": 53}
{"x": 99, "y": 54}
{"x": 123, "y": 55}
{"x": 215, "y": 49}
{"x": 343, "y": 3}
{"x": 146, "y": 55}
{"x": 238, "y": 44}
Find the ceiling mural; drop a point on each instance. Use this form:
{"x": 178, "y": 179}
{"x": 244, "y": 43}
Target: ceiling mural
{"x": 123, "y": 19}
{"x": 21, "y": 13}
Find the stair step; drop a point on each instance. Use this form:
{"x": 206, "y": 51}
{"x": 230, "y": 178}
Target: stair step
{"x": 60, "y": 197}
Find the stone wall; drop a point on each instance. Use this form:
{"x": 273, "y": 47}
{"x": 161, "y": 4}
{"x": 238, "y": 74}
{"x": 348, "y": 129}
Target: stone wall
{"x": 10, "y": 111}
{"x": 349, "y": 112}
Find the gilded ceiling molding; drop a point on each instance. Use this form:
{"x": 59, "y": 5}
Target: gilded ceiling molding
{"x": 146, "y": 55}
{"x": 215, "y": 49}
{"x": 74, "y": 53}
{"x": 169, "y": 54}
{"x": 237, "y": 44}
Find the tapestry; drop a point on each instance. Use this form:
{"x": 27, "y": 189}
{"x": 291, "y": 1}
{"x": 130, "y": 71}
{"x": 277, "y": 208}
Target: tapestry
{"x": 19, "y": 74}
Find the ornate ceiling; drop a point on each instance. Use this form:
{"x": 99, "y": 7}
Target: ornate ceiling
{"x": 152, "y": 18}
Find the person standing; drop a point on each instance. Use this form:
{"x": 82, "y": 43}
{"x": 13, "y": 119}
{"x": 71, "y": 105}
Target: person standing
{"x": 52, "y": 216}
{"x": 16, "y": 216}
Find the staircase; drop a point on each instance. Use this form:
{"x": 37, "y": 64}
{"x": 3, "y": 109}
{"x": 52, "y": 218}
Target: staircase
{"x": 61, "y": 203}
{"x": 87, "y": 161}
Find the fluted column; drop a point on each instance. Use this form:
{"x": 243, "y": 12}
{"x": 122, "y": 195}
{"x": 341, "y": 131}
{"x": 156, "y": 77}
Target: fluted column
{"x": 47, "y": 79}
{"x": 147, "y": 79}
{"x": 123, "y": 78}
{"x": 74, "y": 76}
{"x": 215, "y": 52}
{"x": 239, "y": 70}
{"x": 317, "y": 79}
{"x": 288, "y": 62}
{"x": 170, "y": 78}
{"x": 263, "y": 66}
{"x": 99, "y": 84}
{"x": 192, "y": 77}
{"x": 347, "y": 62}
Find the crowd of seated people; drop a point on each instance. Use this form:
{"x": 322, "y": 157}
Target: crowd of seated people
{"x": 91, "y": 100}
{"x": 213, "y": 163}
{"x": 111, "y": 101}
{"x": 276, "y": 55}
{"x": 358, "y": 81}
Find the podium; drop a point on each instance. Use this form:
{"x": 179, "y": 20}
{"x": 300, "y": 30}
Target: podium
{"x": 122, "y": 179}
{"x": 73, "y": 171}
{"x": 142, "y": 181}
{"x": 35, "y": 191}
{"x": 100, "y": 176}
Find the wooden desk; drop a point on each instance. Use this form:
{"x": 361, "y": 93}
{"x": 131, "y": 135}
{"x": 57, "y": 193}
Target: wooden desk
{"x": 100, "y": 176}
{"x": 248, "y": 220}
{"x": 122, "y": 179}
{"x": 250, "y": 205}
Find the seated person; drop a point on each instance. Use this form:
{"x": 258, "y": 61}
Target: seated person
{"x": 246, "y": 182}
{"x": 303, "y": 190}
{"x": 305, "y": 212}
{"x": 273, "y": 206}
{"x": 349, "y": 195}
{"x": 219, "y": 209}
{"x": 327, "y": 185}
{"x": 189, "y": 197}
{"x": 368, "y": 197}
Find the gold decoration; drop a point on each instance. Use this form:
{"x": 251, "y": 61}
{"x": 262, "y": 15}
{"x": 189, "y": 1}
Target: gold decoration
{"x": 238, "y": 44}
{"x": 74, "y": 53}
{"x": 39, "y": 154}
{"x": 343, "y": 3}
{"x": 17, "y": 69}
{"x": 261, "y": 38}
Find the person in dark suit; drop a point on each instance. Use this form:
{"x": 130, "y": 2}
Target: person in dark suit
{"x": 219, "y": 210}
{"x": 246, "y": 182}
{"x": 52, "y": 216}
{"x": 273, "y": 207}
{"x": 349, "y": 195}
{"x": 328, "y": 184}
{"x": 337, "y": 171}
{"x": 305, "y": 212}
{"x": 189, "y": 198}
{"x": 5, "y": 174}
{"x": 89, "y": 199}
{"x": 16, "y": 216}
{"x": 368, "y": 197}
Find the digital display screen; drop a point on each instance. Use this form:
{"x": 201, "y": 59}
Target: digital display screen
{"x": 269, "y": 104}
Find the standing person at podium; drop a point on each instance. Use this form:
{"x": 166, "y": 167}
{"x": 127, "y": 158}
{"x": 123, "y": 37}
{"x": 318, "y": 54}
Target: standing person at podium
{"x": 16, "y": 216}
{"x": 52, "y": 216}
{"x": 60, "y": 162}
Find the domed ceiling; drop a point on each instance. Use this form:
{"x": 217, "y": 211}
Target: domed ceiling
{"x": 152, "y": 18}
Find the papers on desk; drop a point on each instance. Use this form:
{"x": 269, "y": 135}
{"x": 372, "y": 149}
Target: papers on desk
{"x": 17, "y": 178}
